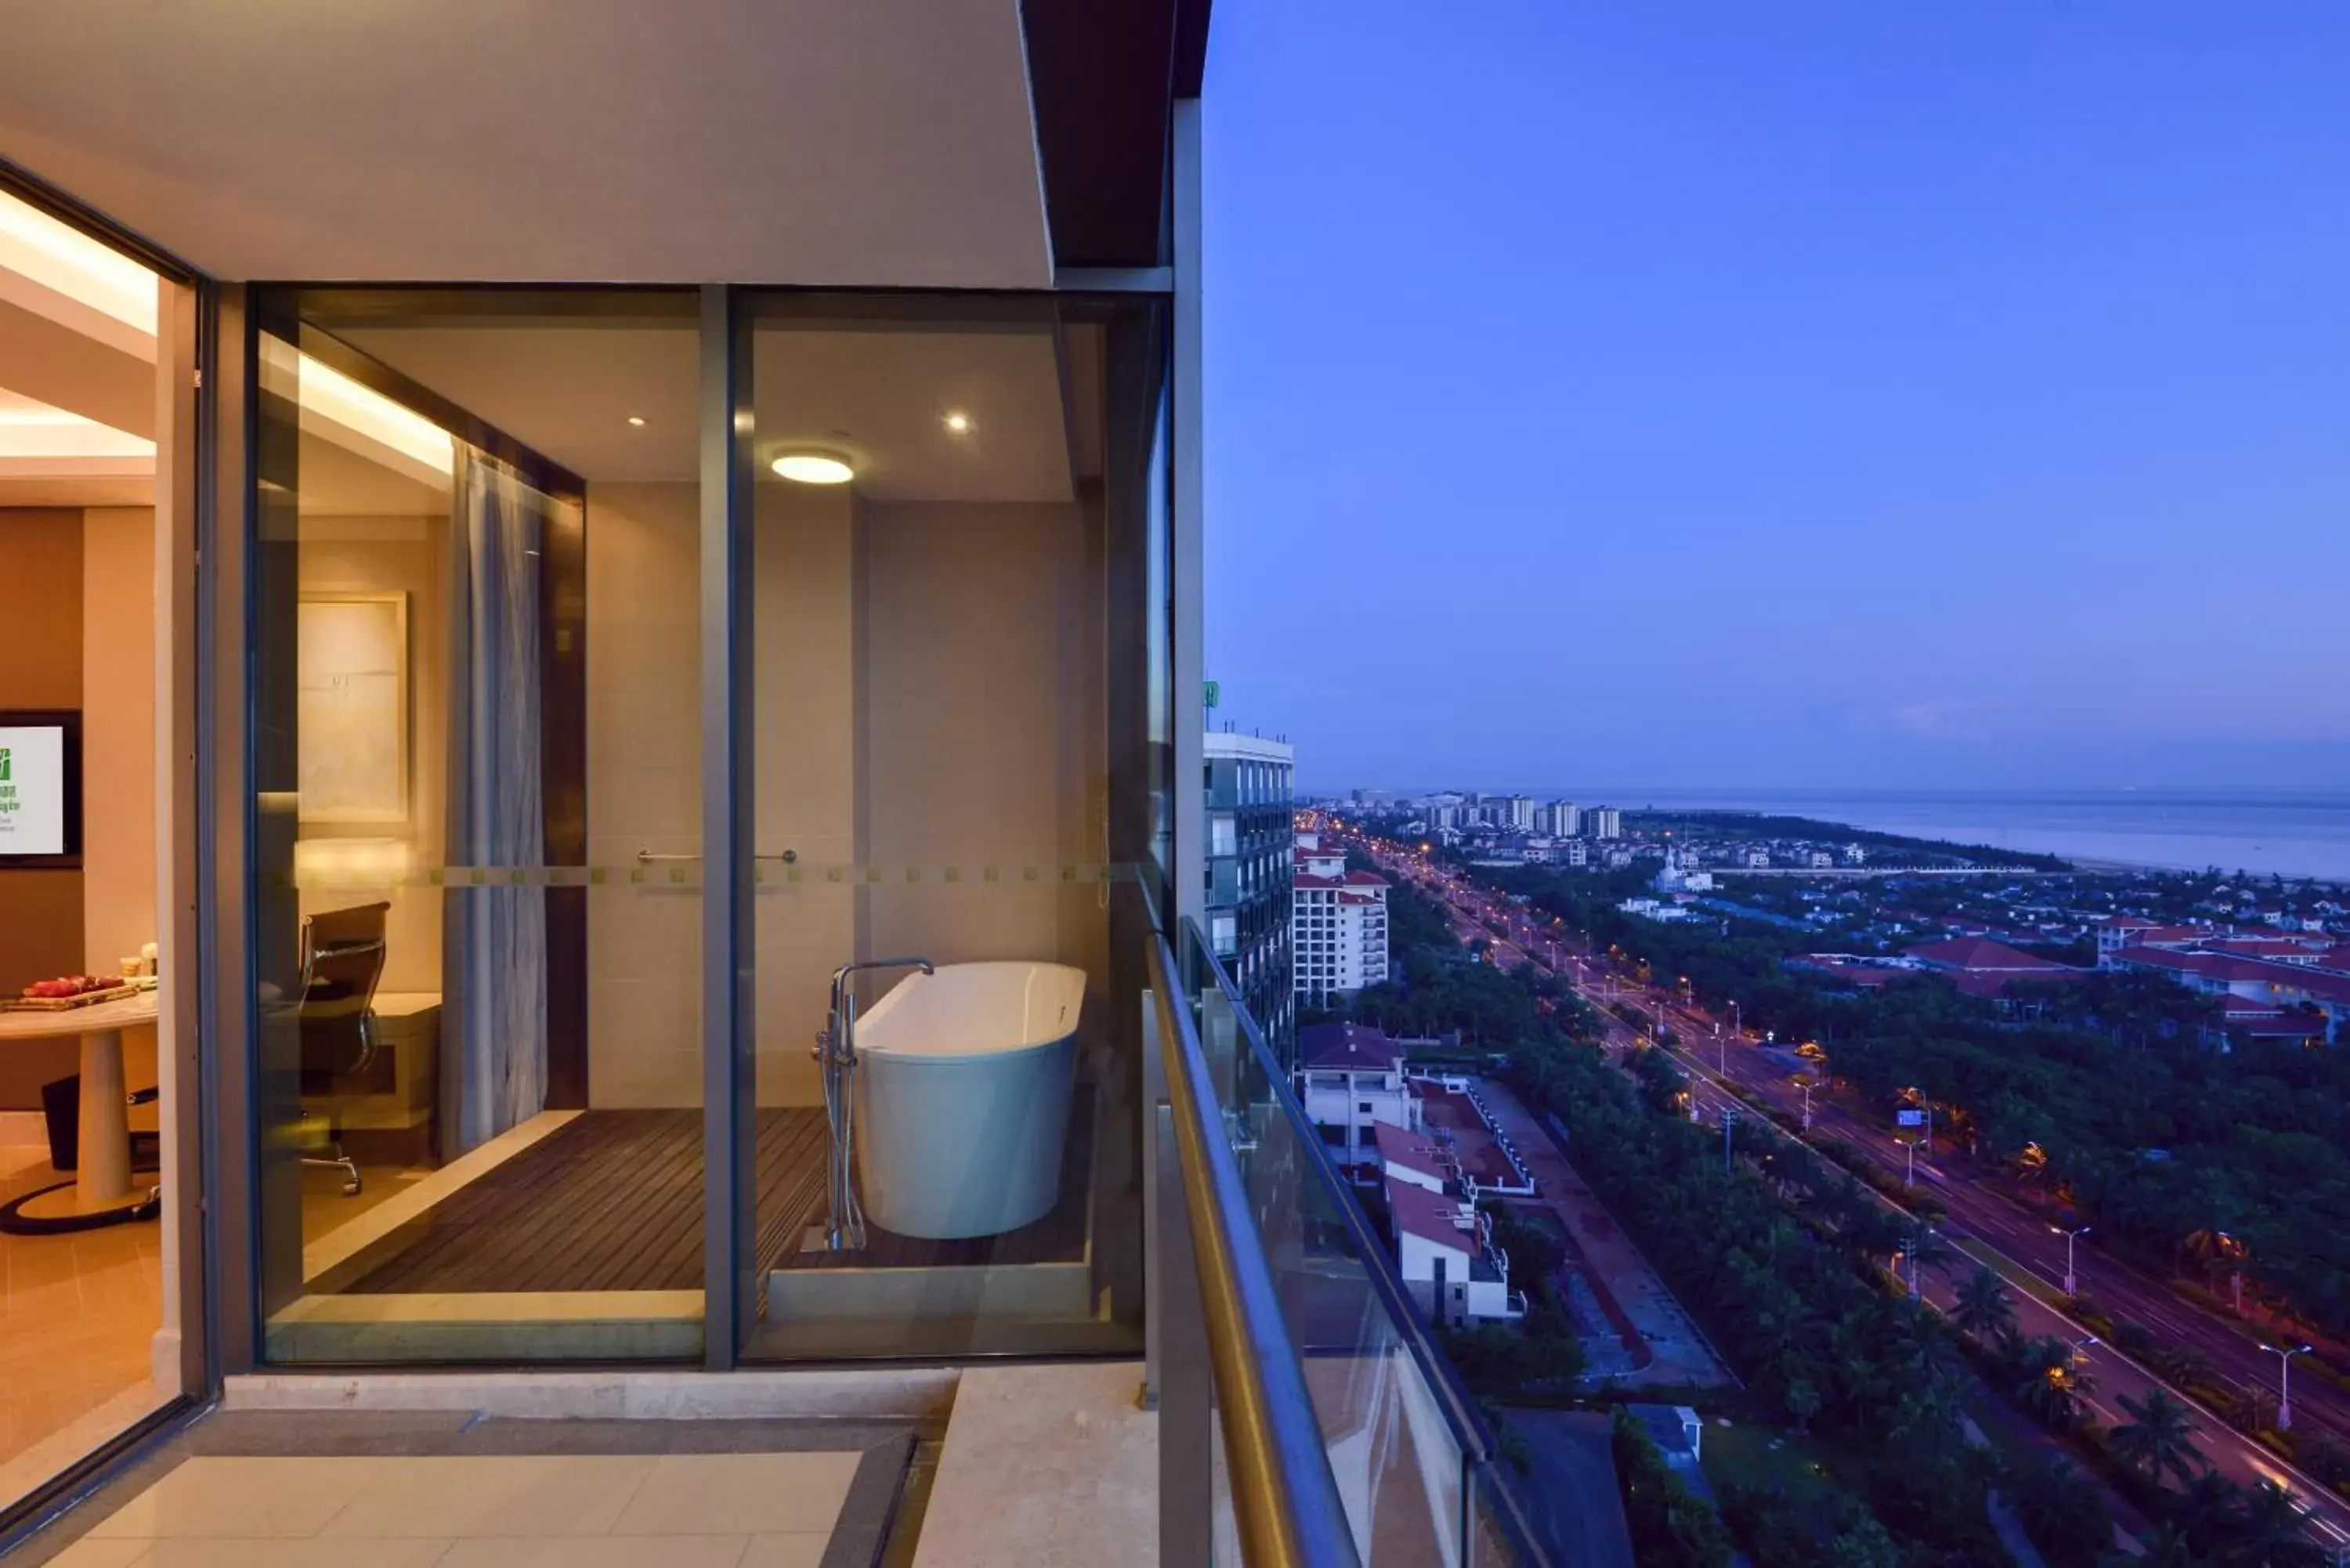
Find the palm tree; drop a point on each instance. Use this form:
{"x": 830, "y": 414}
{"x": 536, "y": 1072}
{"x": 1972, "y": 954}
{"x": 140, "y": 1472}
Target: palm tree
{"x": 2050, "y": 1382}
{"x": 1926, "y": 1418}
{"x": 2209, "y": 1511}
{"x": 2062, "y": 1510}
{"x": 2270, "y": 1533}
{"x": 2169, "y": 1548}
{"x": 1802, "y": 1398}
{"x": 2158, "y": 1438}
{"x": 1982, "y": 1309}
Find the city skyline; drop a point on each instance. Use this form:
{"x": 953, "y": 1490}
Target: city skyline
{"x": 1821, "y": 399}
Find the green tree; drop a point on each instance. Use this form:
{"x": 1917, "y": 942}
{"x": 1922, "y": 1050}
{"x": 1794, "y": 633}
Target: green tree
{"x": 1982, "y": 1310}
{"x": 2270, "y": 1533}
{"x": 2158, "y": 1438}
{"x": 2210, "y": 1511}
{"x": 1801, "y": 1397}
{"x": 2063, "y": 1512}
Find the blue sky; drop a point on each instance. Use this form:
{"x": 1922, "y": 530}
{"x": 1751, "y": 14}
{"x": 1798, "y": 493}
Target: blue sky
{"x": 1870, "y": 394}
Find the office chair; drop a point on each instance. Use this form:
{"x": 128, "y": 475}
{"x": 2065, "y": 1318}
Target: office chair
{"x": 342, "y": 960}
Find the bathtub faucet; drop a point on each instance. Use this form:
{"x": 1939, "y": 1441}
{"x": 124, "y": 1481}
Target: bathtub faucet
{"x": 836, "y": 1054}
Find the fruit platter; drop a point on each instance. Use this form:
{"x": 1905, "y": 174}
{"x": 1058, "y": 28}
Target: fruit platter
{"x": 69, "y": 992}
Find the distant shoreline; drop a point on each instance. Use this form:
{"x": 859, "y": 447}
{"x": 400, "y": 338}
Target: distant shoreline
{"x": 2299, "y": 835}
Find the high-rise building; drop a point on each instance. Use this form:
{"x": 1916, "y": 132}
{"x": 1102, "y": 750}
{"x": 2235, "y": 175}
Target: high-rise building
{"x": 1251, "y": 818}
{"x": 1604, "y": 822}
{"x": 1519, "y": 811}
{"x": 1561, "y": 819}
{"x": 1338, "y": 927}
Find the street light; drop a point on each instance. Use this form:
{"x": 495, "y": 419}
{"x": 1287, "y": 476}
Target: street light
{"x": 2284, "y": 1381}
{"x": 1915, "y": 1244}
{"x": 1910, "y": 1177}
{"x": 1806, "y": 1085}
{"x": 2071, "y": 1283}
{"x": 1736, "y": 1027}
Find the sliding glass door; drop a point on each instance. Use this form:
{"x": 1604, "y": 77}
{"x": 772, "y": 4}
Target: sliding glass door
{"x": 710, "y": 789}
{"x": 476, "y": 892}
{"x": 948, "y": 505}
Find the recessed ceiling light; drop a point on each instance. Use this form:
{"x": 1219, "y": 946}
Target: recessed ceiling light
{"x": 812, "y": 468}
{"x": 959, "y": 423}
{"x": 637, "y": 420}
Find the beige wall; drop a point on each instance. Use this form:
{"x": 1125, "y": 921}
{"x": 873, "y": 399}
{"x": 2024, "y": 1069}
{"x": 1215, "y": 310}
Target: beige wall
{"x": 117, "y": 729}
{"x": 927, "y": 693}
{"x": 408, "y": 555}
{"x": 984, "y": 730}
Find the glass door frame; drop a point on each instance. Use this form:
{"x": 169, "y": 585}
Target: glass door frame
{"x": 726, "y": 317}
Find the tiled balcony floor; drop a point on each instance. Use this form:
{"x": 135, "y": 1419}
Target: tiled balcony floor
{"x": 450, "y": 1491}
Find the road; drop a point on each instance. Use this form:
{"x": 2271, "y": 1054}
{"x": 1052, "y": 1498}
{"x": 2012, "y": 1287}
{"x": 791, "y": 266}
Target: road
{"x": 2030, "y": 1255}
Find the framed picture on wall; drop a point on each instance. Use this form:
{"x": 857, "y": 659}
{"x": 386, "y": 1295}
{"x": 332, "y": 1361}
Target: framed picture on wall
{"x": 352, "y": 712}
{"x": 40, "y": 789}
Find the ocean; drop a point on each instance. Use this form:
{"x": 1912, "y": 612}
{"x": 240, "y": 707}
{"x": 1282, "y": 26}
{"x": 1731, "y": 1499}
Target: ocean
{"x": 2294, "y": 833}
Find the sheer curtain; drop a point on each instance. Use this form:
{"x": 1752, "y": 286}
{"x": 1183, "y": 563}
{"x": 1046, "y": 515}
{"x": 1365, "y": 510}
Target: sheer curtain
{"x": 494, "y": 1016}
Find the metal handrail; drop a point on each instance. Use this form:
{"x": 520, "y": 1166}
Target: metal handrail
{"x": 1285, "y": 1499}
{"x": 1437, "y": 1372}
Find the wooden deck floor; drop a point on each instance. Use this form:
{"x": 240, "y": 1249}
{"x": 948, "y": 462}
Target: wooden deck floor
{"x": 610, "y": 1201}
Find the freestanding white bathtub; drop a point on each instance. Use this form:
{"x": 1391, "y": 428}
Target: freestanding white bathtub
{"x": 963, "y": 1081}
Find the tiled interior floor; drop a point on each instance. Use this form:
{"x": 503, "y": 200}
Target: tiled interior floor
{"x": 78, "y": 1315}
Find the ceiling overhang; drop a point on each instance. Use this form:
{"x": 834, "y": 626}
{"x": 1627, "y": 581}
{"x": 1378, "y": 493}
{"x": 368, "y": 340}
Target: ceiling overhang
{"x": 1105, "y": 78}
{"x": 883, "y": 143}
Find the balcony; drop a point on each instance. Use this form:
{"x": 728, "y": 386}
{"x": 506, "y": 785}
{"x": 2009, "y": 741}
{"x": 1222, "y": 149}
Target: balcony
{"x": 1292, "y": 1409}
{"x": 1301, "y": 1397}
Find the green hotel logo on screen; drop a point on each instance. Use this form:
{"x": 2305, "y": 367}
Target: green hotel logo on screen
{"x": 4, "y": 774}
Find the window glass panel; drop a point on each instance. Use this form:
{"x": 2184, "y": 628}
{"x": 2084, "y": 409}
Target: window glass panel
{"x": 958, "y": 782}
{"x": 477, "y": 900}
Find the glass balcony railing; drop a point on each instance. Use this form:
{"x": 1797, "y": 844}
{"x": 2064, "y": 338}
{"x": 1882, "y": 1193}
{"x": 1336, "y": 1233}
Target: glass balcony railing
{"x": 1346, "y": 1438}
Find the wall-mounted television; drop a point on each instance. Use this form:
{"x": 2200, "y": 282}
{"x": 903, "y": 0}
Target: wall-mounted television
{"x": 40, "y": 789}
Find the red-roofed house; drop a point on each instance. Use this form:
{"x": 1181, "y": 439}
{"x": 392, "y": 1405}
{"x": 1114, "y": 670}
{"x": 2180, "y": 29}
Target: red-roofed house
{"x": 2115, "y": 932}
{"x": 1447, "y": 1257}
{"x": 1851, "y": 971}
{"x": 1350, "y": 1080}
{"x": 2301, "y": 950}
{"x": 2250, "y": 984}
{"x": 1982, "y": 967}
{"x": 1414, "y": 1156}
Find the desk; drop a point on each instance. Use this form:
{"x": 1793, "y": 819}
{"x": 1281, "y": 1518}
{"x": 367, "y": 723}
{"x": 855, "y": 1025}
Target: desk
{"x": 389, "y": 1118}
{"x": 100, "y": 1192}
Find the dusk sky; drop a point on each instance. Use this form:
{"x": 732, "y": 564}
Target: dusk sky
{"x": 1786, "y": 395}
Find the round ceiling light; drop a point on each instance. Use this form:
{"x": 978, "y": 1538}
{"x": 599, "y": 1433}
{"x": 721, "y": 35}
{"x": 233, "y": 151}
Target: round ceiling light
{"x": 812, "y": 468}
{"x": 958, "y": 421}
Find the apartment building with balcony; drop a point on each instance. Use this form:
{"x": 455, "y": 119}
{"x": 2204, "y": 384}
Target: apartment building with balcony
{"x": 1338, "y": 924}
{"x": 1251, "y": 819}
